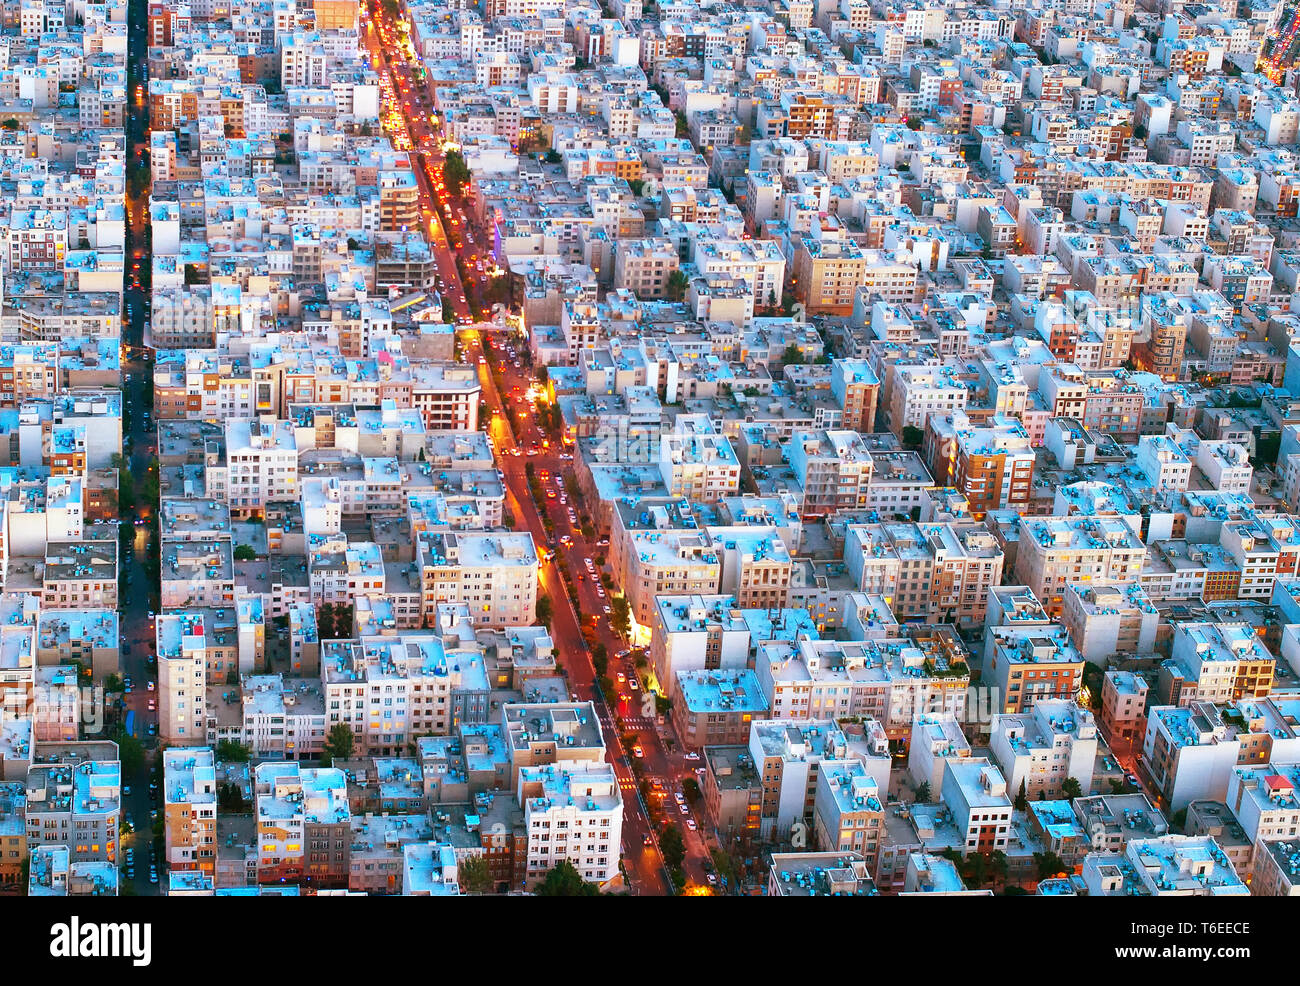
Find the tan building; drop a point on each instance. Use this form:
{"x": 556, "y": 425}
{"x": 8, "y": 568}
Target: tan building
{"x": 190, "y": 809}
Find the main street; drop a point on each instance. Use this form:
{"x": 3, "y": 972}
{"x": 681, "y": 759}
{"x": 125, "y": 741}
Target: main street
{"x": 513, "y": 426}
{"x": 136, "y": 593}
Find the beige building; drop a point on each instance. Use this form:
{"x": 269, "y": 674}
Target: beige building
{"x": 190, "y": 809}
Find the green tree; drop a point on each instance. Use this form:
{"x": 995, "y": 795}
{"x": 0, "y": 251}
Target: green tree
{"x": 1071, "y": 789}
{"x": 244, "y": 552}
{"x": 637, "y": 185}
{"x": 565, "y": 881}
{"x": 998, "y": 866}
{"x": 620, "y": 615}
{"x": 113, "y": 684}
{"x": 130, "y": 751}
{"x": 553, "y": 156}
{"x": 233, "y": 751}
{"x": 474, "y": 876}
{"x": 923, "y": 793}
{"x": 677, "y": 285}
{"x": 671, "y": 846}
{"x": 545, "y": 610}
{"x": 1022, "y": 799}
{"x": 1049, "y": 864}
{"x": 792, "y": 356}
{"x": 455, "y": 172}
{"x": 912, "y": 436}
{"x": 339, "y": 743}
{"x": 1093, "y": 679}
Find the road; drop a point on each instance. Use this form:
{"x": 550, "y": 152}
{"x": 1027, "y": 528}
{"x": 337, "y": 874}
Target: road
{"x": 136, "y": 594}
{"x": 513, "y": 425}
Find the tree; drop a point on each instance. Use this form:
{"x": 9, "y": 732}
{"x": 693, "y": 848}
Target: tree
{"x": 339, "y": 743}
{"x": 1093, "y": 679}
{"x": 244, "y": 552}
{"x": 10, "y": 124}
{"x": 233, "y": 751}
{"x": 923, "y": 793}
{"x": 545, "y": 610}
{"x": 637, "y": 185}
{"x": 977, "y": 870}
{"x": 1049, "y": 864}
{"x": 676, "y": 286}
{"x": 553, "y": 156}
{"x": 130, "y": 751}
{"x": 671, "y": 846}
{"x": 912, "y": 436}
{"x": 998, "y": 866}
{"x": 1071, "y": 789}
{"x": 792, "y": 356}
{"x": 620, "y": 616}
{"x": 455, "y": 172}
{"x": 565, "y": 881}
{"x": 113, "y": 684}
{"x": 474, "y": 876}
{"x": 1022, "y": 799}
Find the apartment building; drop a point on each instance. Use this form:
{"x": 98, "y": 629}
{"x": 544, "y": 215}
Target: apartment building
{"x": 1041, "y": 748}
{"x": 656, "y": 548}
{"x": 1123, "y": 708}
{"x": 992, "y": 465}
{"x": 573, "y": 811}
{"x": 1107, "y": 620}
{"x": 787, "y": 755}
{"x": 304, "y": 825}
{"x": 189, "y": 789}
{"x": 75, "y": 805}
{"x": 391, "y": 689}
{"x": 494, "y": 574}
{"x": 975, "y": 792}
{"x": 1053, "y": 551}
{"x": 717, "y": 708}
{"x": 848, "y": 813}
{"x": 1190, "y": 753}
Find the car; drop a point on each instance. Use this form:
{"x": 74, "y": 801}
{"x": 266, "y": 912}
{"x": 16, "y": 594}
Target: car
{"x": 632, "y": 684}
{"x": 153, "y": 875}
{"x": 638, "y": 752}
{"x": 679, "y": 797}
{"x": 621, "y": 677}
{"x": 683, "y": 809}
{"x": 152, "y": 729}
{"x": 153, "y": 706}
{"x": 712, "y": 878}
{"x": 150, "y": 686}
{"x": 550, "y": 494}
{"x": 646, "y": 840}
{"x": 608, "y": 610}
{"x": 126, "y": 790}
{"x": 153, "y": 815}
{"x": 690, "y": 824}
{"x": 130, "y": 872}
